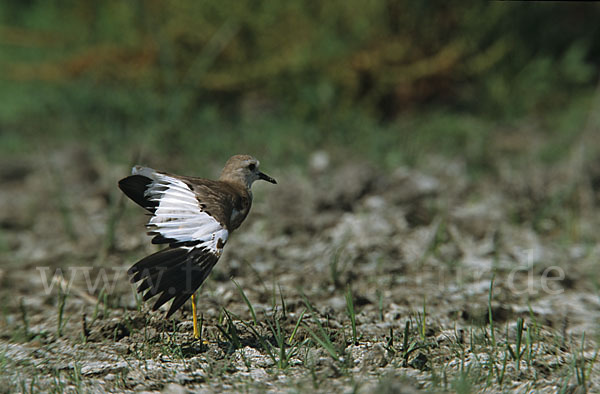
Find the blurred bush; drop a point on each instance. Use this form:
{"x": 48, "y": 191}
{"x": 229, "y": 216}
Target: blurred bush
{"x": 169, "y": 64}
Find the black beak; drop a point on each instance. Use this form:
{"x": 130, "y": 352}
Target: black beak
{"x": 267, "y": 178}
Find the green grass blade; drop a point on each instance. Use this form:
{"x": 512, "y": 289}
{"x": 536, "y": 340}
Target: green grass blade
{"x": 297, "y": 325}
{"x": 247, "y": 301}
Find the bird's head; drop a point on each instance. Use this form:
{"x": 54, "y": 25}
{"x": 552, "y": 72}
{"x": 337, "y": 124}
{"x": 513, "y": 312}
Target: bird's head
{"x": 243, "y": 169}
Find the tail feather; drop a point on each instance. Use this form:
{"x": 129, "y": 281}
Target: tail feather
{"x": 151, "y": 265}
{"x": 172, "y": 274}
{"x": 179, "y": 277}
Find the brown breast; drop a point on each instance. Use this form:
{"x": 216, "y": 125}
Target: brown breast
{"x": 241, "y": 203}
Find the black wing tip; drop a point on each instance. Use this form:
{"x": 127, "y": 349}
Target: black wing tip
{"x": 169, "y": 314}
{"x": 177, "y": 303}
{"x": 174, "y": 308}
{"x": 133, "y": 183}
{"x": 134, "y": 187}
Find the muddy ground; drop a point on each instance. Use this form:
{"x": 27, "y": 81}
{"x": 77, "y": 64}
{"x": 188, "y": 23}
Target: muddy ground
{"x": 459, "y": 281}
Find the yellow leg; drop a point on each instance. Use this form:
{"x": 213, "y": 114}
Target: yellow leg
{"x": 195, "y": 317}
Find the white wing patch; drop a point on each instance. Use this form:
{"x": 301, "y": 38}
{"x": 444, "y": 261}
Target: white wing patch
{"x": 179, "y": 215}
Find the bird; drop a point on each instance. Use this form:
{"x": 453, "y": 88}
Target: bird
{"x": 194, "y": 217}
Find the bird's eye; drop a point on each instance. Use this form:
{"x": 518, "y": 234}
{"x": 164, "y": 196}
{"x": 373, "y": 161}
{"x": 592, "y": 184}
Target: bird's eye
{"x": 251, "y": 166}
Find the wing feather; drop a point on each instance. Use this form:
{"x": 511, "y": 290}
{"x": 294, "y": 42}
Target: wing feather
{"x": 179, "y": 218}
{"x": 174, "y": 273}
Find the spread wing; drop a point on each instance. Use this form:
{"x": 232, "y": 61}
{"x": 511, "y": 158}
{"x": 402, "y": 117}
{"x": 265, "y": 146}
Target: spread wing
{"x": 183, "y": 220}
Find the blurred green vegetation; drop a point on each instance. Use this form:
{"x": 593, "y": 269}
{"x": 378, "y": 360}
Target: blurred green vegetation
{"x": 201, "y": 80}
